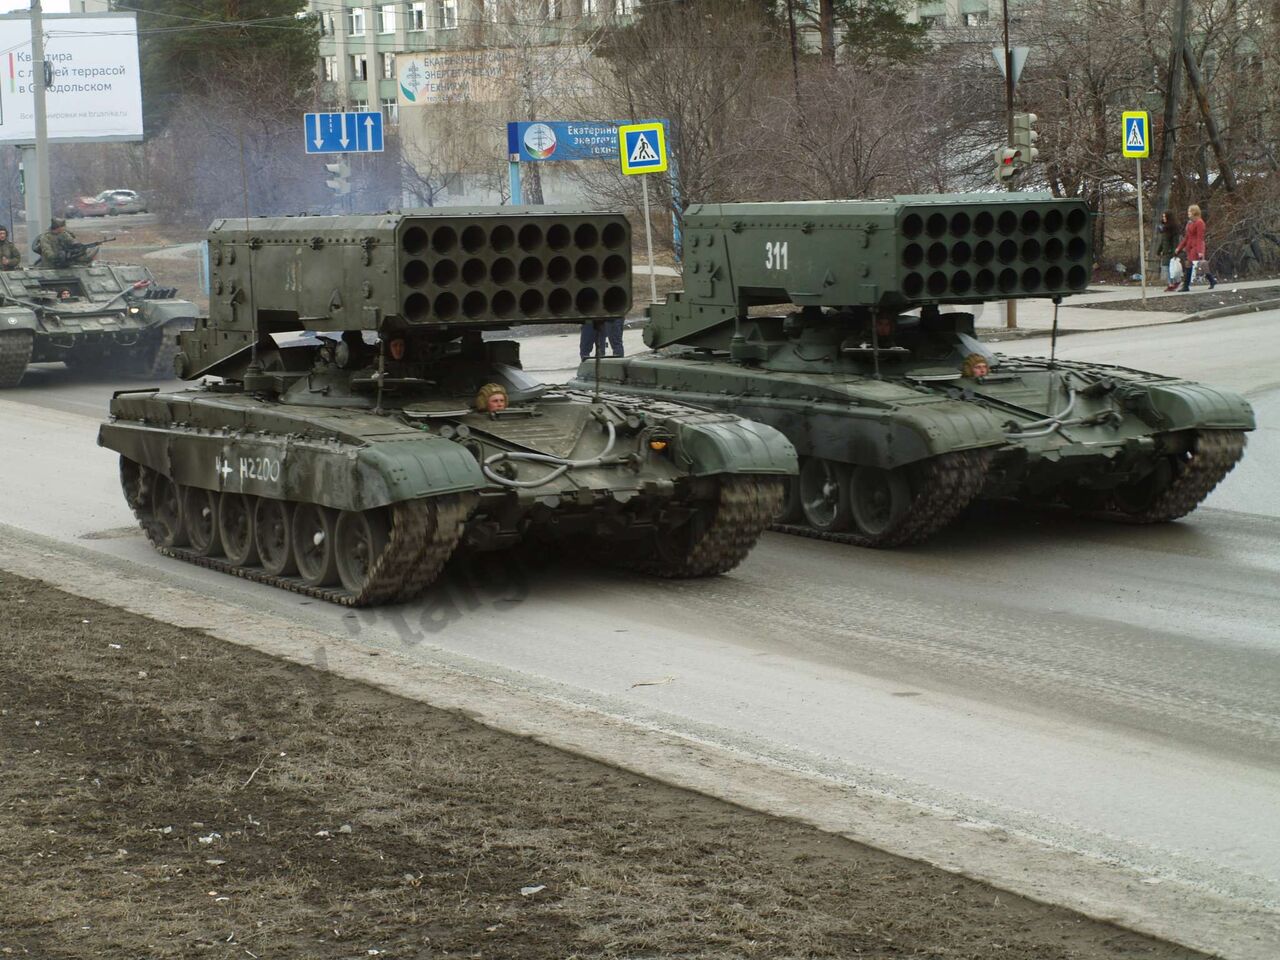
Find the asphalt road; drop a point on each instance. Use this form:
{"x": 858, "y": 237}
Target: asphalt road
{"x": 1108, "y": 693}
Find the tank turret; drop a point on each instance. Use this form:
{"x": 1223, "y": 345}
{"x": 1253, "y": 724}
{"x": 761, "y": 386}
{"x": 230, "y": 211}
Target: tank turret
{"x": 844, "y": 325}
{"x": 363, "y": 426}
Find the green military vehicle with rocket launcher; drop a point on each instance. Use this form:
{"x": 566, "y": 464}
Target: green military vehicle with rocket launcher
{"x": 900, "y": 415}
{"x": 356, "y": 425}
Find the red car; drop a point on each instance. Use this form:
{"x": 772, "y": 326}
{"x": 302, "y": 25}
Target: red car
{"x": 98, "y": 206}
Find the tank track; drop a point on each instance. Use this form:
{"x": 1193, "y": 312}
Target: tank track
{"x": 945, "y": 485}
{"x": 424, "y": 534}
{"x": 745, "y": 508}
{"x": 15, "y": 354}
{"x": 1213, "y": 454}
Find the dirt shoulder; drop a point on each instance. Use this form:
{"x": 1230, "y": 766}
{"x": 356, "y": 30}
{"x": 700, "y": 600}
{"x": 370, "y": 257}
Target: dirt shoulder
{"x": 166, "y": 794}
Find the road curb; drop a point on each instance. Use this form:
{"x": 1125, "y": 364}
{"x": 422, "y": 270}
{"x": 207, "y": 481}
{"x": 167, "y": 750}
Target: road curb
{"x": 1103, "y": 890}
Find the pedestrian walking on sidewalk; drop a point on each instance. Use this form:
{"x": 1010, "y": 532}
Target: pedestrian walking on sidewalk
{"x": 1193, "y": 245}
{"x": 1170, "y": 231}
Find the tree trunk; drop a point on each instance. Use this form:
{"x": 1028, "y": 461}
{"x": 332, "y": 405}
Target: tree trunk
{"x": 1210, "y": 124}
{"x": 827, "y": 28}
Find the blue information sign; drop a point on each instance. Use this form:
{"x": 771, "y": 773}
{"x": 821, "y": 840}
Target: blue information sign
{"x": 562, "y": 140}
{"x": 358, "y": 132}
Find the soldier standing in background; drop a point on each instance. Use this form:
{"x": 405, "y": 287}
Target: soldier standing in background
{"x": 10, "y": 255}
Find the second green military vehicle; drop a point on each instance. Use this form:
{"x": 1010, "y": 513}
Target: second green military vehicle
{"x": 900, "y": 415}
{"x": 362, "y": 427}
{"x": 96, "y": 317}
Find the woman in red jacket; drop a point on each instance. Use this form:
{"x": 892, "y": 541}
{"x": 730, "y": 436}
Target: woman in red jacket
{"x": 1193, "y": 244}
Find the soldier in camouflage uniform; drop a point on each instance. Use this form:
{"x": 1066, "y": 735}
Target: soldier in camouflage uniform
{"x": 58, "y": 246}
{"x": 10, "y": 255}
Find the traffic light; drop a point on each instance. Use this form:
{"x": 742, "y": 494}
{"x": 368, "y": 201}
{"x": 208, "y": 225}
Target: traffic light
{"x": 341, "y": 182}
{"x": 1025, "y": 137}
{"x": 1008, "y": 164}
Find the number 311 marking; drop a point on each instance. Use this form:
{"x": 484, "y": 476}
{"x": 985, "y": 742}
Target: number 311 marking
{"x": 775, "y": 254}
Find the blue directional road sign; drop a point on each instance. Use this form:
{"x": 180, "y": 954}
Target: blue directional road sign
{"x": 344, "y": 132}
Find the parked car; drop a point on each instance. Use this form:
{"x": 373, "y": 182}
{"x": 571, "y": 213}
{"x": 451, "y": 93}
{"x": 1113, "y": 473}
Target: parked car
{"x": 125, "y": 201}
{"x": 107, "y": 202}
{"x": 89, "y": 206}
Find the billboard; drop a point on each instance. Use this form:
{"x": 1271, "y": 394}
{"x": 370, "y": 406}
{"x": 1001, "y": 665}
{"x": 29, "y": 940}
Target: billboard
{"x": 96, "y": 92}
{"x": 490, "y": 75}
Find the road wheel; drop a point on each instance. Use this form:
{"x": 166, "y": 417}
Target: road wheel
{"x": 271, "y": 533}
{"x": 362, "y": 537}
{"x": 15, "y": 354}
{"x": 167, "y": 526}
{"x": 879, "y": 499}
{"x": 235, "y": 527}
{"x": 824, "y": 494}
{"x": 200, "y": 508}
{"x": 313, "y": 544}
{"x": 792, "y": 508}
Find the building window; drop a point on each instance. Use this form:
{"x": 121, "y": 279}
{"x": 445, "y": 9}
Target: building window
{"x": 326, "y": 24}
{"x": 935, "y": 20}
{"x": 360, "y": 106}
{"x": 626, "y": 7}
{"x": 355, "y": 22}
{"x": 976, "y": 19}
{"x": 490, "y": 11}
{"x": 387, "y": 18}
{"x": 329, "y": 68}
{"x": 388, "y": 66}
{"x": 446, "y": 14}
{"x": 589, "y": 8}
{"x": 359, "y": 66}
{"x": 418, "y": 16}
{"x": 555, "y": 9}
{"x": 390, "y": 111}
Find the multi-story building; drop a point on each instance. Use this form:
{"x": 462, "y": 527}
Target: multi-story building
{"x": 358, "y": 48}
{"x": 360, "y": 39}
{"x": 953, "y": 13}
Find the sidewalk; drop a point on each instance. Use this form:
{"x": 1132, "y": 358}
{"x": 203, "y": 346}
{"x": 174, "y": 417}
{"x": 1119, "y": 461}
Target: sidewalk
{"x": 1079, "y": 313}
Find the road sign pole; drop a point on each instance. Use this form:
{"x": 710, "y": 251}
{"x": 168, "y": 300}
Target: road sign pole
{"x": 648, "y": 242}
{"x": 1142, "y": 236}
{"x": 513, "y": 174}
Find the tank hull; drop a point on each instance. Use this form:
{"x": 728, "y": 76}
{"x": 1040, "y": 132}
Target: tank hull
{"x": 431, "y": 478}
{"x": 113, "y": 319}
{"x": 1086, "y": 435}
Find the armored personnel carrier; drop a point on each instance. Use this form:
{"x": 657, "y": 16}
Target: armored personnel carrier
{"x": 106, "y": 317}
{"x": 362, "y": 427}
{"x": 900, "y": 415}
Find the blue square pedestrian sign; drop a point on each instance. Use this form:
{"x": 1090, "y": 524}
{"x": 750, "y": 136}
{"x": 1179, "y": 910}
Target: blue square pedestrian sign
{"x": 642, "y": 147}
{"x": 1137, "y": 134}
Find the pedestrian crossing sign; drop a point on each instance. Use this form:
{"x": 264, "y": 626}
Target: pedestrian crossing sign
{"x": 642, "y": 147}
{"x": 1137, "y": 134}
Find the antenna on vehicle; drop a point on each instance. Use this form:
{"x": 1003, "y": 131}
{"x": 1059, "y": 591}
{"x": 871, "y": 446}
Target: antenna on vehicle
{"x": 254, "y": 365}
{"x": 598, "y": 326}
{"x": 1053, "y": 348}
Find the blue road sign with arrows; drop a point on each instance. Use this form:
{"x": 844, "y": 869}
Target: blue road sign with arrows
{"x": 351, "y": 132}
